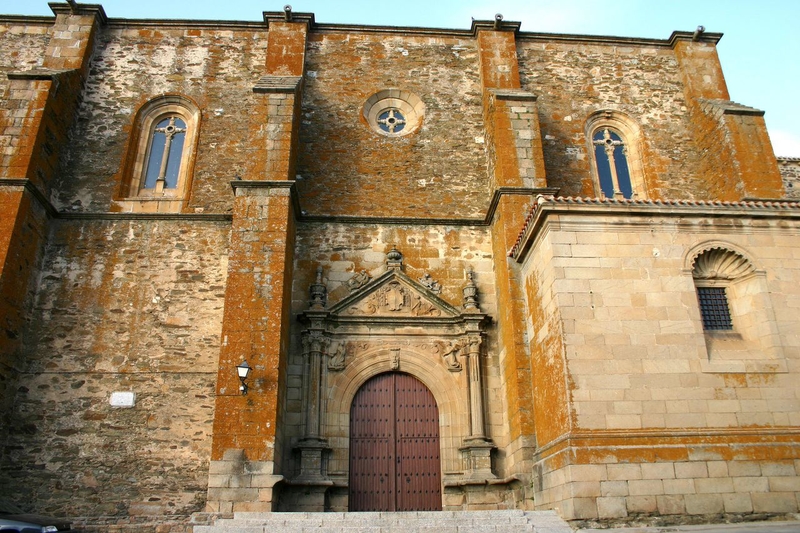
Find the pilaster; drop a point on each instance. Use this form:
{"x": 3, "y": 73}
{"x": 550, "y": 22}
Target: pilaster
{"x": 36, "y": 114}
{"x": 515, "y": 162}
{"x": 258, "y": 292}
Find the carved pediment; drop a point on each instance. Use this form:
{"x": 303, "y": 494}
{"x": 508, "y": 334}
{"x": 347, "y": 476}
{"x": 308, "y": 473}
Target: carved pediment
{"x": 394, "y": 295}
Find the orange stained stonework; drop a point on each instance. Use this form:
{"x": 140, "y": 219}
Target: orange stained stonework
{"x": 701, "y": 70}
{"x": 23, "y": 230}
{"x": 286, "y": 48}
{"x": 550, "y": 403}
{"x": 499, "y": 70}
{"x": 72, "y": 42}
{"x": 255, "y": 325}
{"x": 29, "y": 98}
{"x": 498, "y": 56}
{"x": 35, "y": 120}
{"x": 516, "y": 369}
{"x": 739, "y": 161}
{"x": 506, "y": 168}
{"x": 752, "y": 149}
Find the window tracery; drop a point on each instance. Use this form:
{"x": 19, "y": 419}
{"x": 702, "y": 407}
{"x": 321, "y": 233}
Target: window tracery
{"x": 161, "y": 155}
{"x": 616, "y": 160}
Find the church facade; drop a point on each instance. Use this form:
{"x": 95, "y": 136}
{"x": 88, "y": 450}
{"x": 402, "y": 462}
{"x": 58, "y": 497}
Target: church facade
{"x": 294, "y": 266}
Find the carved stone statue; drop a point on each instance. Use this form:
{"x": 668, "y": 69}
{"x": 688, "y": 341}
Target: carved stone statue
{"x": 358, "y": 280}
{"x": 450, "y": 355}
{"x": 430, "y": 283}
{"x": 337, "y": 356}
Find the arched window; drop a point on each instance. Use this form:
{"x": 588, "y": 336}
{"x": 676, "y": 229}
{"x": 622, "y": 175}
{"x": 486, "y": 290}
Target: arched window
{"x": 611, "y": 158}
{"x": 616, "y": 161}
{"x": 735, "y": 311}
{"x": 161, "y": 155}
{"x": 164, "y": 156}
{"x": 714, "y": 271}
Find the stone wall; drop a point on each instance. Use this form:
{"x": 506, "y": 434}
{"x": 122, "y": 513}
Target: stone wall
{"x": 600, "y": 386}
{"x": 122, "y": 306}
{"x": 444, "y": 252}
{"x": 131, "y": 65}
{"x": 573, "y": 81}
{"x": 660, "y": 420}
{"x": 347, "y": 168}
{"x": 22, "y": 45}
{"x": 790, "y": 171}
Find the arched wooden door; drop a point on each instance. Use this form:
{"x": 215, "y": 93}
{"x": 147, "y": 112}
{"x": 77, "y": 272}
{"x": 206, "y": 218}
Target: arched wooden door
{"x": 394, "y": 446}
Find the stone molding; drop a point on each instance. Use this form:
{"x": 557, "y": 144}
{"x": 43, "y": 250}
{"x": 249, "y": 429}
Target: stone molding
{"x": 95, "y": 10}
{"x": 278, "y": 84}
{"x": 391, "y": 323}
{"x": 290, "y": 16}
{"x": 308, "y": 18}
{"x": 546, "y": 206}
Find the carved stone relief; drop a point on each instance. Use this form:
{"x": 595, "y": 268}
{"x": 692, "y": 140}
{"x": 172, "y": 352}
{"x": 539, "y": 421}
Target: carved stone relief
{"x": 430, "y": 283}
{"x": 450, "y": 352}
{"x": 395, "y": 299}
{"x": 358, "y": 280}
{"x": 391, "y": 317}
{"x": 336, "y": 353}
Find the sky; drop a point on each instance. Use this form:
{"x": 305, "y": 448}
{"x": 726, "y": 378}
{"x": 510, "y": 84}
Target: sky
{"x": 759, "y": 51}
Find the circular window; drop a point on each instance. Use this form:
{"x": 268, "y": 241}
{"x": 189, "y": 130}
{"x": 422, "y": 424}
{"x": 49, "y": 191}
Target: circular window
{"x": 394, "y": 112}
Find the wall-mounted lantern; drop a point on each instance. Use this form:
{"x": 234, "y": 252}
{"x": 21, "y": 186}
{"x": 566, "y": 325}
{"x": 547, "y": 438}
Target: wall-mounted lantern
{"x": 243, "y": 370}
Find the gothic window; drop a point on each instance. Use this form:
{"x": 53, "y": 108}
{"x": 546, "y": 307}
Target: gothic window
{"x": 611, "y": 159}
{"x": 161, "y": 155}
{"x": 616, "y": 162}
{"x": 165, "y": 153}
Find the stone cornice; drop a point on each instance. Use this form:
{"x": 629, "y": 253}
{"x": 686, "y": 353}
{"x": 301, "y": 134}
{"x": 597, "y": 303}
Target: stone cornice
{"x": 282, "y": 16}
{"x": 96, "y": 10}
{"x": 190, "y": 217}
{"x": 278, "y": 84}
{"x": 422, "y": 221}
{"x": 27, "y": 185}
{"x": 678, "y": 437}
{"x": 27, "y": 19}
{"x": 704, "y": 37}
{"x": 494, "y": 25}
{"x": 546, "y": 206}
{"x": 513, "y": 95}
{"x": 39, "y": 74}
{"x": 675, "y": 37}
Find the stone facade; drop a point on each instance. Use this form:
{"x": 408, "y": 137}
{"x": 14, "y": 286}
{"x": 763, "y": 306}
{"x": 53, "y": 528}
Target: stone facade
{"x": 470, "y": 246}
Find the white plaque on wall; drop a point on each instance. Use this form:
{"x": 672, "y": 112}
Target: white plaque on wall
{"x": 123, "y": 399}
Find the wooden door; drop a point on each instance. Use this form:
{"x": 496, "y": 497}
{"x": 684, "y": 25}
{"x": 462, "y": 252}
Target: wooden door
{"x": 394, "y": 446}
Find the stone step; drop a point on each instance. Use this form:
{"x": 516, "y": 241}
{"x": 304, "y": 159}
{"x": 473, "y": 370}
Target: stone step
{"x": 512, "y": 521}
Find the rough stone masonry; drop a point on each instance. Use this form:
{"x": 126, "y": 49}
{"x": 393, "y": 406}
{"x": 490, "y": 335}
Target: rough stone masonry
{"x": 351, "y": 202}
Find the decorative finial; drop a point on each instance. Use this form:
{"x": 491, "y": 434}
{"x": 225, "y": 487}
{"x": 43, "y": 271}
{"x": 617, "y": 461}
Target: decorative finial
{"x": 394, "y": 259}
{"x": 319, "y": 292}
{"x": 470, "y": 292}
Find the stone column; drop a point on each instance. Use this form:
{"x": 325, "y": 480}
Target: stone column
{"x": 477, "y": 448}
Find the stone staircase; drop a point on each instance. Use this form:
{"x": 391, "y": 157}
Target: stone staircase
{"x": 514, "y": 521}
